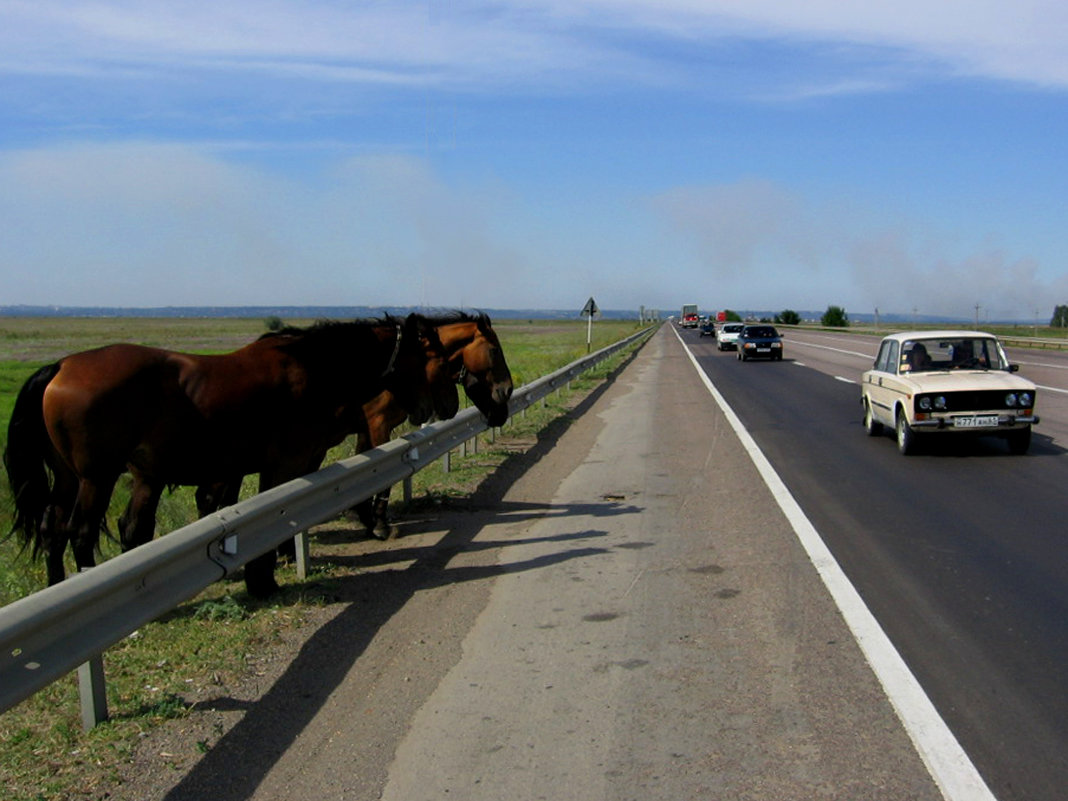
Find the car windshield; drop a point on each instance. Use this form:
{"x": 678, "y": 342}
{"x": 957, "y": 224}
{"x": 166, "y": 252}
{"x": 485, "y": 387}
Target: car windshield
{"x": 732, "y": 327}
{"x": 760, "y": 331}
{"x": 951, "y": 353}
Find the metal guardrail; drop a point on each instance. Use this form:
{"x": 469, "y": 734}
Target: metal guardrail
{"x": 50, "y": 633}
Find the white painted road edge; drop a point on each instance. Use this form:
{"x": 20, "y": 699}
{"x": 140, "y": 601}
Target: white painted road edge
{"x": 949, "y": 765}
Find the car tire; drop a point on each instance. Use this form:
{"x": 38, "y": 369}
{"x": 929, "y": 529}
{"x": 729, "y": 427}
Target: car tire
{"x": 872, "y": 427}
{"x": 1019, "y": 441}
{"x": 906, "y": 436}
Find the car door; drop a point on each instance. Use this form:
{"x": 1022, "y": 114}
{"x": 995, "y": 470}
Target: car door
{"x": 880, "y": 384}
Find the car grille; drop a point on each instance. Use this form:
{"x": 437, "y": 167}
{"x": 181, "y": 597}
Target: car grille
{"x": 976, "y": 400}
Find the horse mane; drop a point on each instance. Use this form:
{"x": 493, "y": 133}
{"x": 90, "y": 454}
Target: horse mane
{"x": 328, "y": 327}
{"x": 449, "y": 318}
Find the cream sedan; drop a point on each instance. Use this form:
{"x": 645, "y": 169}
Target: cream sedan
{"x": 947, "y": 382}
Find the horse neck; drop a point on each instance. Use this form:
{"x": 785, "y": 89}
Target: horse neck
{"x": 455, "y": 339}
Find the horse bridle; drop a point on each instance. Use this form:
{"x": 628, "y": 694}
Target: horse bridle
{"x": 396, "y": 352}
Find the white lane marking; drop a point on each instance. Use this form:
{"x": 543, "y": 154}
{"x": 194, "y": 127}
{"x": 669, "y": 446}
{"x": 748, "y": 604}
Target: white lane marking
{"x": 948, "y": 764}
{"x": 844, "y": 380}
{"x": 836, "y": 350}
{"x": 1052, "y": 389}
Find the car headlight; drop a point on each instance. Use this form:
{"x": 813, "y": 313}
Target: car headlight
{"x": 940, "y": 402}
{"x": 928, "y": 402}
{"x": 925, "y": 403}
{"x": 1027, "y": 399}
{"x": 1011, "y": 400}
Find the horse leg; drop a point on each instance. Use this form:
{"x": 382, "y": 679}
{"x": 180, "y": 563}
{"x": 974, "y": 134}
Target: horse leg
{"x": 87, "y": 516}
{"x": 373, "y": 511}
{"x": 381, "y": 527}
{"x": 54, "y": 533}
{"x": 259, "y": 575}
{"x": 259, "y": 572}
{"x": 53, "y": 539}
{"x": 138, "y": 523}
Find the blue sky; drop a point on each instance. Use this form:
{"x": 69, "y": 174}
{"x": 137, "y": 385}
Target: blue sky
{"x": 750, "y": 155}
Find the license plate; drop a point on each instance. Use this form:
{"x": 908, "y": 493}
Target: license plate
{"x": 763, "y": 350}
{"x": 978, "y": 421}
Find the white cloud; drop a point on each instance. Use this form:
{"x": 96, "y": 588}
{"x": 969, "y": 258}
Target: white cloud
{"x": 471, "y": 44}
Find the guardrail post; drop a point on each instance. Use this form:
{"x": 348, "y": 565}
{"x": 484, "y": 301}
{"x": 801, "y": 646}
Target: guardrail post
{"x": 93, "y": 692}
{"x": 300, "y": 543}
{"x": 92, "y": 689}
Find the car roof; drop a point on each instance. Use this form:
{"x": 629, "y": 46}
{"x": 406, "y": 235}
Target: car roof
{"x": 902, "y": 336}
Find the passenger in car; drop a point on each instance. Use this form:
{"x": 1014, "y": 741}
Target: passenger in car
{"x": 918, "y": 358}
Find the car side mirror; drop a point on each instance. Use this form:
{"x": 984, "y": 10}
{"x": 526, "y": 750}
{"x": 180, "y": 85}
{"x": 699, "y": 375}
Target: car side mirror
{"x": 1014, "y": 368}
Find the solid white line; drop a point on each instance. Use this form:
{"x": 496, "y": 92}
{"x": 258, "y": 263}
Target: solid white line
{"x": 844, "y": 380}
{"x": 949, "y": 765}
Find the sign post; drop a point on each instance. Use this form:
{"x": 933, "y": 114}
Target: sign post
{"x": 589, "y": 311}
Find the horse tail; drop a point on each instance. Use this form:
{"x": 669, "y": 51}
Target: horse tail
{"x": 24, "y": 458}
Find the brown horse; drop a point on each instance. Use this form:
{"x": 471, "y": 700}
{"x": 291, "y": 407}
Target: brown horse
{"x": 475, "y": 360}
{"x": 273, "y": 407}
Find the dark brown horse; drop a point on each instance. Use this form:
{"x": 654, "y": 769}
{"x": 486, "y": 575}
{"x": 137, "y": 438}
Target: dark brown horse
{"x": 475, "y": 360}
{"x": 272, "y": 407}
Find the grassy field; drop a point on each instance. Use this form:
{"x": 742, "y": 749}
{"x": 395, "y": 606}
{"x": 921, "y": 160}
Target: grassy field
{"x": 214, "y": 639}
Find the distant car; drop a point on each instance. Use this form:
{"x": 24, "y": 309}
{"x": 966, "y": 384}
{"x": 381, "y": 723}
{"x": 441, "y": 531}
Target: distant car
{"x": 727, "y": 338}
{"x": 708, "y": 328}
{"x": 947, "y": 382}
{"x": 759, "y": 342}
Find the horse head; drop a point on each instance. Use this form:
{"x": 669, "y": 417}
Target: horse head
{"x": 484, "y": 373}
{"x": 419, "y": 376}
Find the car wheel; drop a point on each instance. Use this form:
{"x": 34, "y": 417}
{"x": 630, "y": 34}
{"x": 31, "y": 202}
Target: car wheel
{"x": 906, "y": 437}
{"x": 1019, "y": 441}
{"x": 872, "y": 427}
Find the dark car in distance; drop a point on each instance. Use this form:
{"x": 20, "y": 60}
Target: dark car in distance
{"x": 708, "y": 327}
{"x": 759, "y": 342}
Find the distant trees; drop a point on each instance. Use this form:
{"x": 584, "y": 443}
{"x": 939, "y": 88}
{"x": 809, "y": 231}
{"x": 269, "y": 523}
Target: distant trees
{"x": 835, "y": 317}
{"x": 731, "y": 316}
{"x": 788, "y": 317}
{"x": 1060, "y": 317}
{"x": 274, "y": 323}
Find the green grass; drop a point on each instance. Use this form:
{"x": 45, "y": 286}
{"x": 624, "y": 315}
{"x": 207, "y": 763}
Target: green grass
{"x": 212, "y": 640}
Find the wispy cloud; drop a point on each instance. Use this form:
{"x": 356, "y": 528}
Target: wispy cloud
{"x": 485, "y": 44}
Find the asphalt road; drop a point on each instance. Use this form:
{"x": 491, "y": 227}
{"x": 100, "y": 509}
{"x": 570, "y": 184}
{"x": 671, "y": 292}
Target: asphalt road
{"x": 625, "y": 612}
{"x": 959, "y": 552}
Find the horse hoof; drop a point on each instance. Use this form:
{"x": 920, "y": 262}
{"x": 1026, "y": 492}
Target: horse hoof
{"x": 261, "y": 587}
{"x": 384, "y": 531}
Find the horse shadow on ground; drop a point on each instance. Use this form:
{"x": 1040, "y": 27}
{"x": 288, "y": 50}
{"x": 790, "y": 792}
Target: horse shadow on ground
{"x": 238, "y": 763}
